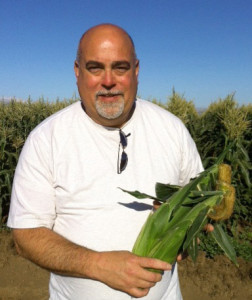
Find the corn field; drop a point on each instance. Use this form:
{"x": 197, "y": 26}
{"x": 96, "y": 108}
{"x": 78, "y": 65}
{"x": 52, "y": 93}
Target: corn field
{"x": 222, "y": 124}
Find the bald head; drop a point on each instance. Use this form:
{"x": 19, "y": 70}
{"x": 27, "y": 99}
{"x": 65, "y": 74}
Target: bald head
{"x": 106, "y": 70}
{"x": 104, "y": 30}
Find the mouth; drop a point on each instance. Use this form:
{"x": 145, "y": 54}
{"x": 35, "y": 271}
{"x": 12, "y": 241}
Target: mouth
{"x": 108, "y": 97}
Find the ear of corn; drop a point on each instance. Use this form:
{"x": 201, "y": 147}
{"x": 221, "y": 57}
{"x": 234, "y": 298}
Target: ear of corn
{"x": 224, "y": 173}
{"x": 174, "y": 227}
{"x": 224, "y": 210}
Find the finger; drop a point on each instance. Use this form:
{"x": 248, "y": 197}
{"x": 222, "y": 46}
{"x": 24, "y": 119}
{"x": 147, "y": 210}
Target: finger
{"x": 179, "y": 257}
{"x": 139, "y": 292}
{"x": 153, "y": 263}
{"x": 182, "y": 256}
{"x": 146, "y": 278}
{"x": 144, "y": 284}
{"x": 156, "y": 204}
{"x": 148, "y": 274}
{"x": 209, "y": 228}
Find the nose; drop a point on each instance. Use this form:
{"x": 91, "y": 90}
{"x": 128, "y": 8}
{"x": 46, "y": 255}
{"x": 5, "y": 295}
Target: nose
{"x": 108, "y": 80}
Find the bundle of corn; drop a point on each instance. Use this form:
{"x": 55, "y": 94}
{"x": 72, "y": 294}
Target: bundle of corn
{"x": 184, "y": 211}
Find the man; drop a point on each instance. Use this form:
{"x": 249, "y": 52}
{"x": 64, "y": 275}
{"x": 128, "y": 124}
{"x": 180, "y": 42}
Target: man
{"x": 67, "y": 212}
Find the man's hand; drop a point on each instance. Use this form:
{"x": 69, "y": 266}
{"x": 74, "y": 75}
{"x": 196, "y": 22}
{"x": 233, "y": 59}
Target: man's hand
{"x": 121, "y": 270}
{"x": 124, "y": 271}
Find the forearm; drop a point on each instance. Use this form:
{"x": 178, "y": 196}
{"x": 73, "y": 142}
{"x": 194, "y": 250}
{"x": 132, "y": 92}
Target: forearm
{"x": 53, "y": 252}
{"x": 121, "y": 270}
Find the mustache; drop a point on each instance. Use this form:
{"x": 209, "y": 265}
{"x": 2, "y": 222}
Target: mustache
{"x": 109, "y": 93}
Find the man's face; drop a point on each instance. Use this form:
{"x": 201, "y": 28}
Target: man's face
{"x": 107, "y": 76}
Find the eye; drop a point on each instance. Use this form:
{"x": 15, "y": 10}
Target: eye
{"x": 121, "y": 69}
{"x": 94, "y": 70}
{"x": 94, "y": 67}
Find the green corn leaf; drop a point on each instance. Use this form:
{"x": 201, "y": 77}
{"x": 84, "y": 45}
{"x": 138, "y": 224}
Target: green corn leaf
{"x": 177, "y": 223}
{"x": 159, "y": 222}
{"x": 222, "y": 240}
{"x": 192, "y": 201}
{"x": 196, "y": 227}
{"x": 168, "y": 243}
{"x": 168, "y": 247}
{"x": 181, "y": 212}
{"x": 246, "y": 164}
{"x": 227, "y": 150}
{"x": 204, "y": 193}
{"x": 244, "y": 172}
{"x": 177, "y": 228}
{"x": 153, "y": 228}
{"x": 193, "y": 249}
{"x": 196, "y": 210}
{"x": 243, "y": 150}
{"x": 179, "y": 197}
{"x": 208, "y": 183}
{"x": 140, "y": 247}
{"x": 205, "y": 183}
{"x": 207, "y": 161}
{"x": 139, "y": 195}
{"x": 163, "y": 231}
{"x": 164, "y": 191}
{"x": 3, "y": 172}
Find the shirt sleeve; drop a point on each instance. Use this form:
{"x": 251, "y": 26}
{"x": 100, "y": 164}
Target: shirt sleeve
{"x": 33, "y": 197}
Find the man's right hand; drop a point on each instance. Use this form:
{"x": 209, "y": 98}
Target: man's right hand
{"x": 124, "y": 271}
{"x": 121, "y": 270}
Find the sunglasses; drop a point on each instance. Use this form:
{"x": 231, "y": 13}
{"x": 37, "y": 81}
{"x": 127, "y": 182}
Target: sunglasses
{"x": 123, "y": 161}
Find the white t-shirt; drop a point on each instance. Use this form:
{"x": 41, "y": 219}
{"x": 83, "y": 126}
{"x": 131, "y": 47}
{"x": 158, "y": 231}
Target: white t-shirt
{"x": 66, "y": 180}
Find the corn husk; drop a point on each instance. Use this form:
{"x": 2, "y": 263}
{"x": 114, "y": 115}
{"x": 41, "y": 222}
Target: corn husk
{"x": 184, "y": 211}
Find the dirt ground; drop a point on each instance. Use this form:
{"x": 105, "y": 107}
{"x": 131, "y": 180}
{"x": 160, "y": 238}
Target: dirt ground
{"x": 208, "y": 279}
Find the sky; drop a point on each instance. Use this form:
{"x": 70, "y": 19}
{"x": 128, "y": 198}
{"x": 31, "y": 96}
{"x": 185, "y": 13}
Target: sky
{"x": 201, "y": 48}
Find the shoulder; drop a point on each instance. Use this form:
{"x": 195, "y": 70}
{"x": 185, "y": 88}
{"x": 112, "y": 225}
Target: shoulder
{"x": 59, "y": 120}
{"x": 158, "y": 115}
{"x": 165, "y": 125}
{"x": 172, "y": 134}
{"x": 54, "y": 129}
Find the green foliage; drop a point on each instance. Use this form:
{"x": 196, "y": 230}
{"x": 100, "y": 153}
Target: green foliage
{"x": 241, "y": 244}
{"x": 181, "y": 108}
{"x": 222, "y": 121}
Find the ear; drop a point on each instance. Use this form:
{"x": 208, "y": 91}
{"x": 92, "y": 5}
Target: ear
{"x": 137, "y": 67}
{"x": 76, "y": 69}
